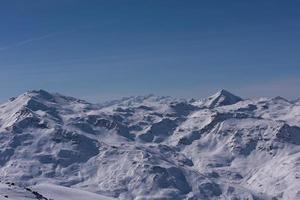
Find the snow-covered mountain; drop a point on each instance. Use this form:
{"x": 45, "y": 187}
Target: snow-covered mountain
{"x": 148, "y": 147}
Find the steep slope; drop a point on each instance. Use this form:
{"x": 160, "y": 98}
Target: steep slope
{"x": 152, "y": 147}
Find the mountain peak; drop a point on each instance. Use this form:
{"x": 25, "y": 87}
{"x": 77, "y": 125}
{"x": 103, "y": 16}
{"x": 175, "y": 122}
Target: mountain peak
{"x": 222, "y": 98}
{"x": 41, "y": 94}
{"x": 224, "y": 92}
{"x": 43, "y": 100}
{"x": 45, "y": 96}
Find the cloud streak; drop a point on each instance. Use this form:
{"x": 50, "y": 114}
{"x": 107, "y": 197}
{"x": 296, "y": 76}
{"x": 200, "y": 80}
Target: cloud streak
{"x": 30, "y": 40}
{"x": 44, "y": 37}
{"x": 40, "y": 38}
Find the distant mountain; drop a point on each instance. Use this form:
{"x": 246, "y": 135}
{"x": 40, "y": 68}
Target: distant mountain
{"x": 221, "y": 98}
{"x": 149, "y": 147}
{"x": 297, "y": 101}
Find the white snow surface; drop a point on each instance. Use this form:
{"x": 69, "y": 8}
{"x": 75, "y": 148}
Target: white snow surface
{"x": 46, "y": 192}
{"x": 148, "y": 147}
{"x": 62, "y": 193}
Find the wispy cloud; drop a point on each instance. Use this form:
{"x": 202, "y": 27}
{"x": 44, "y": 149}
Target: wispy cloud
{"x": 41, "y": 37}
{"x": 30, "y": 40}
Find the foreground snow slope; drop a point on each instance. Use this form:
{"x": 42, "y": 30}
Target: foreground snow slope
{"x": 63, "y": 193}
{"x": 45, "y": 192}
{"x": 148, "y": 147}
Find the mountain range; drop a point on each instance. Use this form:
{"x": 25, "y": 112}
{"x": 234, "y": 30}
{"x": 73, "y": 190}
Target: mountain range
{"x": 149, "y": 147}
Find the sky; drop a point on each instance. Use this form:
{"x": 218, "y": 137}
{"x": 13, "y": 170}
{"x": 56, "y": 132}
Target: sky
{"x": 99, "y": 50}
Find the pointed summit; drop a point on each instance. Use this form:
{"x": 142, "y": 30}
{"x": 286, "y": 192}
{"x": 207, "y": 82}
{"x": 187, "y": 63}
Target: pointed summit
{"x": 222, "y": 98}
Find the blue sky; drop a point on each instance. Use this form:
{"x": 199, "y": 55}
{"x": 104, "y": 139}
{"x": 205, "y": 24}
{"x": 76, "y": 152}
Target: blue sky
{"x": 99, "y": 50}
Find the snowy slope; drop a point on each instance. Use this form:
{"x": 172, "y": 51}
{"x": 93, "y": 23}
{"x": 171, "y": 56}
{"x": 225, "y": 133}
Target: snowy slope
{"x": 63, "y": 193}
{"x": 8, "y": 191}
{"x": 150, "y": 147}
{"x": 45, "y": 192}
